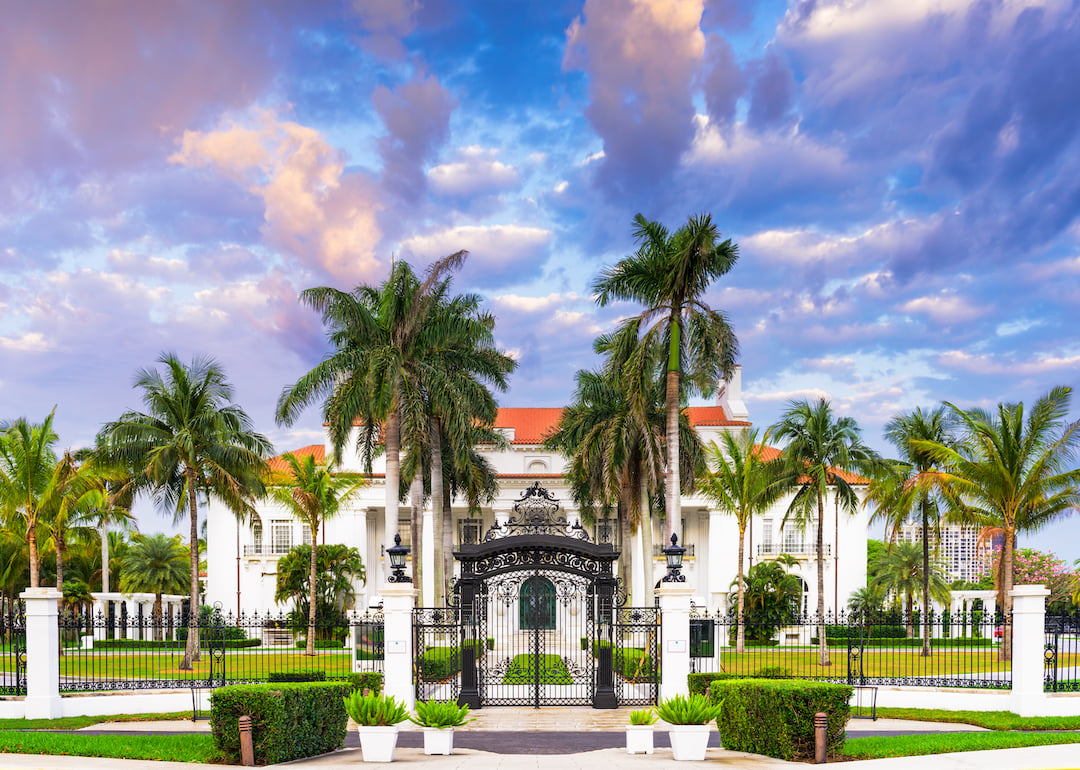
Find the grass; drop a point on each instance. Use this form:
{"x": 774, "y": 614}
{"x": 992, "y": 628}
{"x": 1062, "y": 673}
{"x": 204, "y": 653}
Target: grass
{"x": 552, "y": 670}
{"x": 991, "y": 720}
{"x": 77, "y": 723}
{"x": 176, "y": 748}
{"x": 943, "y": 743}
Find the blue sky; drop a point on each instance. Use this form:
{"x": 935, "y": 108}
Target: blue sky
{"x": 902, "y": 178}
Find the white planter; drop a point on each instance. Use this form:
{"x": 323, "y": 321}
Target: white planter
{"x": 439, "y": 740}
{"x": 377, "y": 742}
{"x": 689, "y": 742}
{"x": 639, "y": 739}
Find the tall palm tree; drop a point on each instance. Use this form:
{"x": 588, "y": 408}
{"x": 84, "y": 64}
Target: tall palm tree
{"x": 192, "y": 440}
{"x": 312, "y": 494}
{"x": 669, "y": 274}
{"x": 907, "y": 488}
{"x": 120, "y": 486}
{"x": 901, "y": 571}
{"x": 78, "y": 491}
{"x": 820, "y": 448}
{"x": 158, "y": 565}
{"x": 743, "y": 482}
{"x": 369, "y": 380}
{"x": 339, "y": 567}
{"x": 1011, "y": 470}
{"x": 27, "y": 480}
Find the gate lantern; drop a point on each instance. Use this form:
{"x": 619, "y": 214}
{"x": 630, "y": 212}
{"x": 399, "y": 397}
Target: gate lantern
{"x": 673, "y": 554}
{"x": 398, "y": 553}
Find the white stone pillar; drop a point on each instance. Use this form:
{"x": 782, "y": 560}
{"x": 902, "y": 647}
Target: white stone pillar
{"x": 675, "y": 635}
{"x": 427, "y": 596}
{"x": 638, "y": 569}
{"x": 363, "y": 546}
{"x": 132, "y": 617}
{"x": 715, "y": 577}
{"x": 42, "y": 653}
{"x": 1028, "y": 641}
{"x": 399, "y": 599}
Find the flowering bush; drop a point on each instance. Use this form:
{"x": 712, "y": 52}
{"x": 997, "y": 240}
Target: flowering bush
{"x": 1031, "y": 566}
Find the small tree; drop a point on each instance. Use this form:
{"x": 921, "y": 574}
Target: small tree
{"x": 338, "y": 567}
{"x": 158, "y": 565}
{"x": 772, "y": 596}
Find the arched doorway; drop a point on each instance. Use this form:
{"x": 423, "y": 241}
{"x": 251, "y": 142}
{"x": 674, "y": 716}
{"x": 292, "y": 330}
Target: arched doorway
{"x": 536, "y": 604}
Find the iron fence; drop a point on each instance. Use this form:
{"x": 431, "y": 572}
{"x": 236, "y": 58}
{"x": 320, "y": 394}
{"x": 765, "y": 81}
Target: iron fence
{"x": 13, "y": 655}
{"x": 1062, "y": 653}
{"x": 883, "y": 649}
{"x": 636, "y": 655}
{"x": 136, "y": 652}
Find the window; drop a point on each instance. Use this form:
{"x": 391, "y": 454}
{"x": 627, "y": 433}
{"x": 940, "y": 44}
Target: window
{"x": 307, "y": 534}
{"x": 256, "y": 535}
{"x": 281, "y": 536}
{"x": 766, "y": 536}
{"x": 469, "y": 531}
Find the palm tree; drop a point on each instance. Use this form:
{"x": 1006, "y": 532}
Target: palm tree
{"x": 312, "y": 494}
{"x": 191, "y": 440}
{"x": 339, "y": 567}
{"x": 899, "y": 570}
{"x": 819, "y": 450}
{"x": 27, "y": 480}
{"x": 78, "y": 491}
{"x": 741, "y": 481}
{"x": 1011, "y": 471}
{"x": 669, "y": 273}
{"x": 370, "y": 379}
{"x": 772, "y": 596}
{"x": 158, "y": 565}
{"x": 907, "y": 487}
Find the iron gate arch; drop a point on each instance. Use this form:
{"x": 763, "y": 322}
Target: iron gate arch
{"x": 538, "y": 618}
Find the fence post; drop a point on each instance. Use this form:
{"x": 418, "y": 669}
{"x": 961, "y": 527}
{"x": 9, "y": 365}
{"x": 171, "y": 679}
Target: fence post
{"x": 42, "y": 653}
{"x": 399, "y": 599}
{"x": 675, "y": 636}
{"x": 1029, "y": 639}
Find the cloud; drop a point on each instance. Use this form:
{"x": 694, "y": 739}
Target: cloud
{"x": 497, "y": 253}
{"x": 983, "y": 364}
{"x": 519, "y": 304}
{"x": 385, "y": 23}
{"x": 476, "y": 173}
{"x": 641, "y": 58}
{"x": 126, "y": 262}
{"x": 946, "y": 307}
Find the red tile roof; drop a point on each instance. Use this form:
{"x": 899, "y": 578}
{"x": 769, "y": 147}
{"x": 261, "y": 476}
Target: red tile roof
{"x": 531, "y": 424}
{"x": 771, "y": 453}
{"x": 278, "y": 465}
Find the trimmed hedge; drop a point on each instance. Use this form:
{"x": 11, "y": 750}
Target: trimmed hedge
{"x": 868, "y": 632}
{"x": 288, "y": 721}
{"x": 228, "y": 633}
{"x": 631, "y": 663}
{"x": 699, "y": 683}
{"x": 304, "y": 675}
{"x": 965, "y": 641}
{"x": 150, "y": 644}
{"x": 775, "y": 717}
{"x": 367, "y": 680}
{"x": 322, "y": 644}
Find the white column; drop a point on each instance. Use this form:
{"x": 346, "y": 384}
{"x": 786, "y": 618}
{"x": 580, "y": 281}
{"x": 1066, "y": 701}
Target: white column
{"x": 637, "y": 571}
{"x": 428, "y": 555}
{"x": 716, "y": 567}
{"x": 675, "y": 634}
{"x": 1028, "y": 639}
{"x": 398, "y": 602}
{"x": 363, "y": 546}
{"x": 42, "y": 653}
{"x": 101, "y": 617}
{"x": 132, "y": 618}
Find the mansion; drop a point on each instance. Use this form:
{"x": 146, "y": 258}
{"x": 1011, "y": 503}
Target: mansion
{"x": 242, "y": 558}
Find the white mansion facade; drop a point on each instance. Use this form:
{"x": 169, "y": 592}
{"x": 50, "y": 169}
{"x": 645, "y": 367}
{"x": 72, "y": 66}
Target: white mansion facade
{"x": 242, "y": 558}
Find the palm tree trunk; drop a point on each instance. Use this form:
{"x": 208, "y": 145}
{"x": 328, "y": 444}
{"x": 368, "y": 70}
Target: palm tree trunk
{"x": 447, "y": 549}
{"x": 393, "y": 475}
{"x": 191, "y": 649}
{"x": 1007, "y": 556}
{"x": 31, "y": 544}
{"x": 671, "y": 474}
{"x": 416, "y": 531}
{"x": 439, "y": 598}
{"x": 157, "y": 618}
{"x": 105, "y": 552}
{"x": 740, "y": 636}
{"x": 626, "y": 556}
{"x": 926, "y": 580}
{"x": 58, "y": 538}
{"x": 646, "y": 541}
{"x": 313, "y": 577}
{"x": 823, "y": 642}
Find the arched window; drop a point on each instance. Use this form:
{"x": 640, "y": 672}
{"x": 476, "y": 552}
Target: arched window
{"x": 536, "y": 604}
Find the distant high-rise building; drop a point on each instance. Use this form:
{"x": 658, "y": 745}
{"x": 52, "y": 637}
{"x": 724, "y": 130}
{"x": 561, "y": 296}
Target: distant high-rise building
{"x": 958, "y": 549}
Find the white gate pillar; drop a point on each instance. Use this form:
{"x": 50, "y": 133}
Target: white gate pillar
{"x": 1028, "y": 642}
{"x": 42, "y": 653}
{"x": 399, "y": 599}
{"x": 675, "y": 636}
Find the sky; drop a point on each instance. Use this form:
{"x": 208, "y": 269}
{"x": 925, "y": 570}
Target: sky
{"x": 902, "y": 178}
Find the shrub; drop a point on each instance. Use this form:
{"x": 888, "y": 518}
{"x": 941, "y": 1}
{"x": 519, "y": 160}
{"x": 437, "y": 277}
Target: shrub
{"x": 371, "y": 710}
{"x": 302, "y": 675}
{"x": 288, "y": 721}
{"x": 873, "y": 631}
{"x": 367, "y": 680}
{"x": 688, "y": 710}
{"x": 148, "y": 644}
{"x": 440, "y": 713}
{"x": 699, "y": 683}
{"x": 644, "y": 717}
{"x": 776, "y": 717}
{"x": 438, "y": 663}
{"x": 322, "y": 644}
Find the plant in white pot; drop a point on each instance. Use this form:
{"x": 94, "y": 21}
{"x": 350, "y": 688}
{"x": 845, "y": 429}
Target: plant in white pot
{"x": 439, "y": 718}
{"x": 690, "y": 719}
{"x": 639, "y": 733}
{"x": 377, "y": 718}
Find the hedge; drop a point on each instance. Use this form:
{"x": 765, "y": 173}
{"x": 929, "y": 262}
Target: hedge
{"x": 212, "y": 631}
{"x": 630, "y": 663}
{"x": 775, "y": 717}
{"x": 873, "y": 631}
{"x": 367, "y": 680}
{"x": 288, "y": 721}
{"x": 322, "y": 644}
{"x": 964, "y": 641}
{"x": 302, "y": 675}
{"x": 151, "y": 644}
{"x": 699, "y": 683}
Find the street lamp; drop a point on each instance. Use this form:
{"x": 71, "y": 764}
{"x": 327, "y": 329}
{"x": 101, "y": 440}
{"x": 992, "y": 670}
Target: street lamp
{"x": 674, "y": 555}
{"x": 398, "y": 554}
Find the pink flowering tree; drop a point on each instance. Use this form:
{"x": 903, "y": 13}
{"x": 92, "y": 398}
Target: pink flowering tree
{"x": 1031, "y": 566}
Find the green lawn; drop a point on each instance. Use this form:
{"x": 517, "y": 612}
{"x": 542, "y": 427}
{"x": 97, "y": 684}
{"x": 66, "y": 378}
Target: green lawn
{"x": 943, "y": 743}
{"x": 175, "y": 748}
{"x": 77, "y": 723}
{"x": 552, "y": 670}
{"x": 991, "y": 720}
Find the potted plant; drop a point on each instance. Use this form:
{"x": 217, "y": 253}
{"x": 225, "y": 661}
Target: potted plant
{"x": 639, "y": 733}
{"x": 377, "y": 718}
{"x": 690, "y": 719}
{"x": 439, "y": 718}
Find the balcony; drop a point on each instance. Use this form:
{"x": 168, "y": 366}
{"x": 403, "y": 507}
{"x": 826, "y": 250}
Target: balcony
{"x": 799, "y": 549}
{"x": 266, "y": 549}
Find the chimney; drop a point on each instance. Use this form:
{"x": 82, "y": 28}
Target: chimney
{"x": 730, "y": 398}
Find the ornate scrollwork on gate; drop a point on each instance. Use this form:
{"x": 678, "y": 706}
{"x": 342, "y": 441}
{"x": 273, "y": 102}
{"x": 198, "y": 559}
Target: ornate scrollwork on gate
{"x": 536, "y": 513}
{"x": 527, "y": 558}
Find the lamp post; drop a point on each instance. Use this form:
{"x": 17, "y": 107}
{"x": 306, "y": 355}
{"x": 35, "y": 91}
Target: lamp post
{"x": 398, "y": 554}
{"x": 674, "y": 556}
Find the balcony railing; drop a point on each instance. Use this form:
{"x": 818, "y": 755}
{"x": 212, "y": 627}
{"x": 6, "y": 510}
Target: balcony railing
{"x": 266, "y": 549}
{"x": 800, "y": 548}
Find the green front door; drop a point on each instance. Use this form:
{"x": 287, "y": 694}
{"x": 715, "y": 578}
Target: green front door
{"x": 536, "y": 604}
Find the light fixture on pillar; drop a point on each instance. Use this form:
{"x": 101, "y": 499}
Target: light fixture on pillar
{"x": 398, "y": 554}
{"x": 673, "y": 554}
